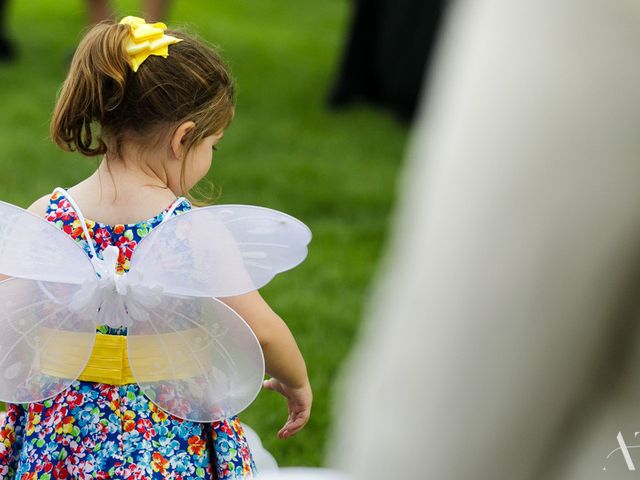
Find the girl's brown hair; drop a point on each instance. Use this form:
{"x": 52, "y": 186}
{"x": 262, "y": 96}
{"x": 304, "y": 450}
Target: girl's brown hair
{"x": 103, "y": 102}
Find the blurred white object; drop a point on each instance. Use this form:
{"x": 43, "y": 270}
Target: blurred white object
{"x": 502, "y": 339}
{"x": 268, "y": 468}
{"x": 304, "y": 474}
{"x": 263, "y": 459}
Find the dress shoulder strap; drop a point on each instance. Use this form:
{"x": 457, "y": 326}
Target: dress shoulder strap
{"x": 169, "y": 212}
{"x": 78, "y": 212}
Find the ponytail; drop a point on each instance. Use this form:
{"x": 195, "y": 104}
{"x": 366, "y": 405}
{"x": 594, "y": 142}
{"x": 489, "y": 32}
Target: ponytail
{"x": 94, "y": 87}
{"x": 103, "y": 103}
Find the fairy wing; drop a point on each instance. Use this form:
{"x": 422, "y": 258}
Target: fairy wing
{"x": 34, "y": 319}
{"x": 195, "y": 358}
{"x": 220, "y": 251}
{"x": 33, "y": 248}
{"x": 48, "y": 269}
{"x": 211, "y": 364}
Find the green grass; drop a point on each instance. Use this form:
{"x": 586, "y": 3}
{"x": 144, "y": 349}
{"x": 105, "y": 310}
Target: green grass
{"x": 335, "y": 171}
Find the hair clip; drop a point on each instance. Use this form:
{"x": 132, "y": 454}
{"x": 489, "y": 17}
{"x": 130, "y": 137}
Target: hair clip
{"x": 146, "y": 39}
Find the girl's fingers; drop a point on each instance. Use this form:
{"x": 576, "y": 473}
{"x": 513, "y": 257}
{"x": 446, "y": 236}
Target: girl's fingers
{"x": 299, "y": 411}
{"x": 294, "y": 425}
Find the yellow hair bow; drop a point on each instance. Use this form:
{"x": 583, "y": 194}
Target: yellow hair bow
{"x": 146, "y": 39}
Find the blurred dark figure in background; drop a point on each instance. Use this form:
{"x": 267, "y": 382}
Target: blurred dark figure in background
{"x": 387, "y": 54}
{"x": 503, "y": 341}
{"x": 154, "y": 10}
{"x": 7, "y": 49}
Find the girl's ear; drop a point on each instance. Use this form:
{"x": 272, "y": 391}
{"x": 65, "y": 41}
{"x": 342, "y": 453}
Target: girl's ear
{"x": 178, "y": 137}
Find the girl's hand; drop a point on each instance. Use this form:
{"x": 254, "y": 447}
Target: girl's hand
{"x": 299, "y": 403}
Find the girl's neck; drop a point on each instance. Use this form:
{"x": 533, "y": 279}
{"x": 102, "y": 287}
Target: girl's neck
{"x": 137, "y": 167}
{"x": 115, "y": 176}
{"x": 118, "y": 192}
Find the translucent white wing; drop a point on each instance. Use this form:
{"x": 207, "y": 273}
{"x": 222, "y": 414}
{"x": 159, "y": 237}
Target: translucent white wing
{"x": 34, "y": 363}
{"x": 195, "y": 357}
{"x": 31, "y": 247}
{"x": 220, "y": 251}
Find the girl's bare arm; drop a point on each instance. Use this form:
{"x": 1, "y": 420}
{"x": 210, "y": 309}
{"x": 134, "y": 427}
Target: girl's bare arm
{"x": 283, "y": 359}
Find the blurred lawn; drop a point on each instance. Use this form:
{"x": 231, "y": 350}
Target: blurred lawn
{"x": 335, "y": 171}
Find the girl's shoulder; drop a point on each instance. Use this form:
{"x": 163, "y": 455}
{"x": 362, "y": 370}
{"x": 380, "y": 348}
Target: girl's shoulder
{"x": 39, "y": 207}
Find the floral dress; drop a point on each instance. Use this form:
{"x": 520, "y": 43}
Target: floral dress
{"x": 97, "y": 430}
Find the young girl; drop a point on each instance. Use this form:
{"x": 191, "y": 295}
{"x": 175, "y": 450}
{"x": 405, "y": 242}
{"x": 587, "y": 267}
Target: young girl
{"x": 155, "y": 112}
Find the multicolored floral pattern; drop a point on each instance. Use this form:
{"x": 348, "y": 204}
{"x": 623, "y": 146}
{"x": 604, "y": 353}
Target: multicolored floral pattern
{"x": 99, "y": 431}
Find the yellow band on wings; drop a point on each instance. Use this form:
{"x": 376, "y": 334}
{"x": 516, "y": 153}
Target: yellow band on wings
{"x": 109, "y": 362}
